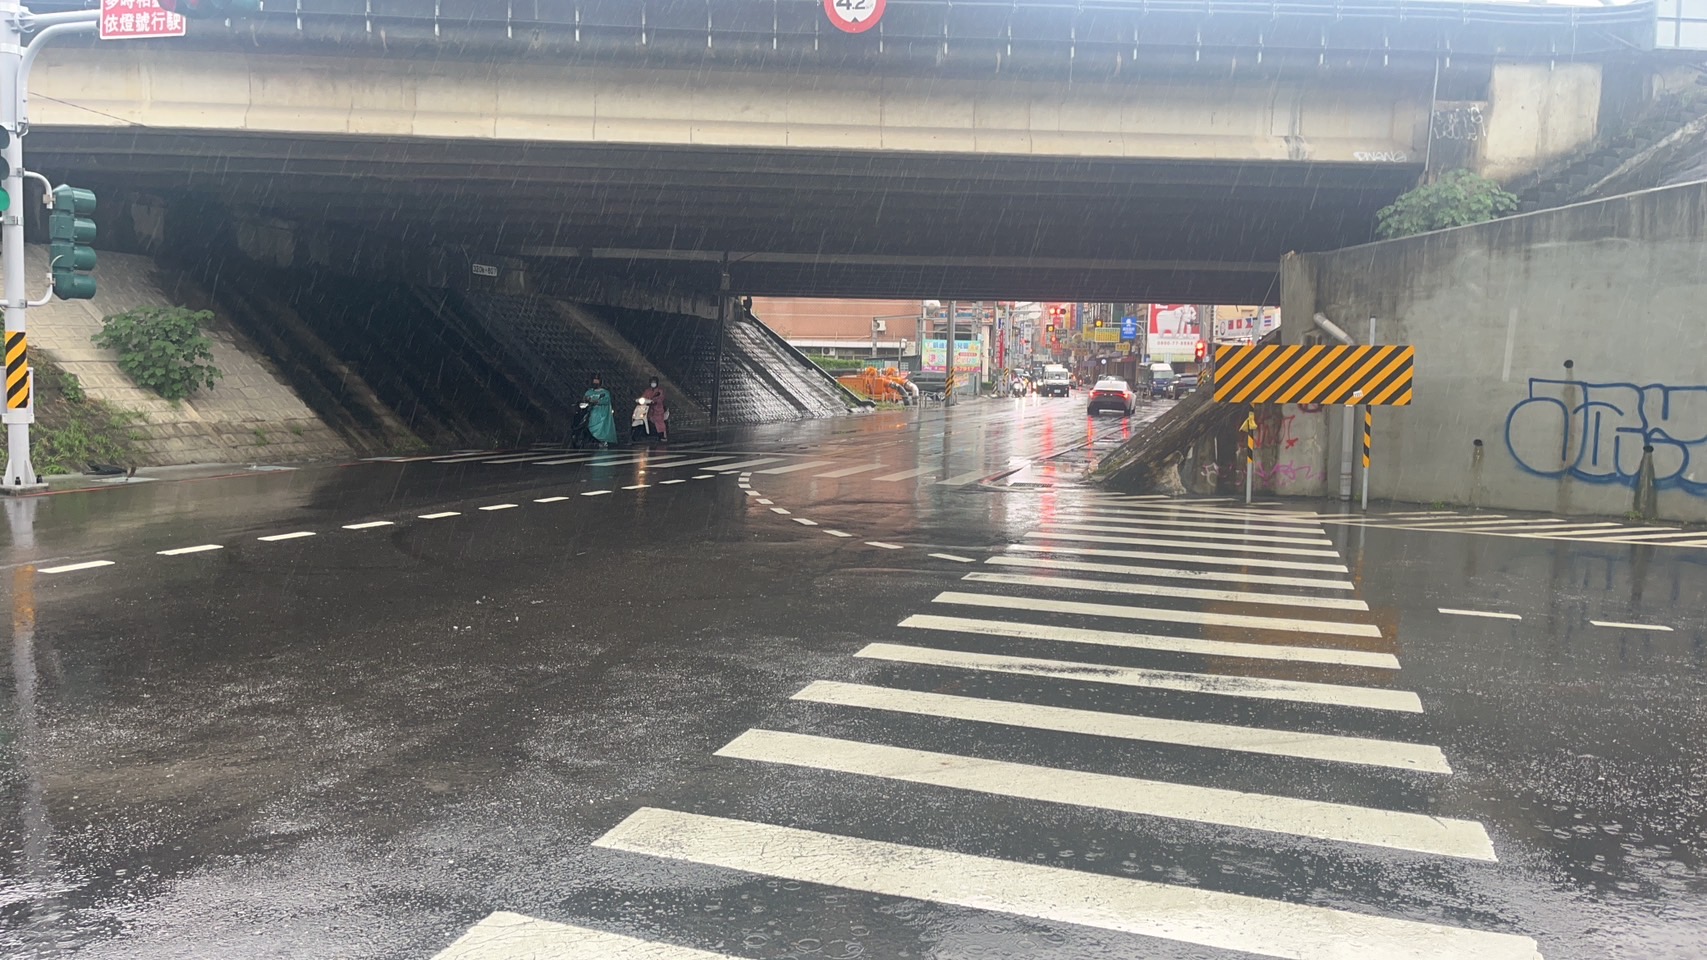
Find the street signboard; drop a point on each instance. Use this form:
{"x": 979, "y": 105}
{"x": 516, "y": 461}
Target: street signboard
{"x": 1128, "y": 328}
{"x": 1105, "y": 335}
{"x": 139, "y": 20}
{"x": 1173, "y": 347}
{"x": 1373, "y": 375}
{"x": 854, "y": 16}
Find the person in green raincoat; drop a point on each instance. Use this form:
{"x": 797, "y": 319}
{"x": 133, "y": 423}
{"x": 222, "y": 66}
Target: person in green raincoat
{"x": 601, "y": 421}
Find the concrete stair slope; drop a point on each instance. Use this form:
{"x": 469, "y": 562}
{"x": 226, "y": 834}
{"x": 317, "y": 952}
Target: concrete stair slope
{"x": 557, "y": 346}
{"x": 762, "y": 374}
{"x": 330, "y": 387}
{"x": 252, "y": 415}
{"x": 1587, "y": 174}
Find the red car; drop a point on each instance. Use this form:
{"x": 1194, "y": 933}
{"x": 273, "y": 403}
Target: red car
{"x": 1111, "y": 394}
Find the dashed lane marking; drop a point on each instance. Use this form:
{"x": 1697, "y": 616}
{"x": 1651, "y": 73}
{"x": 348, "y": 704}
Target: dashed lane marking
{"x": 705, "y": 476}
{"x": 1159, "y": 614}
{"x": 1491, "y": 614}
{"x": 1126, "y": 726}
{"x": 734, "y": 467}
{"x": 805, "y": 522}
{"x": 1169, "y": 590}
{"x": 749, "y": 491}
{"x": 369, "y": 525}
{"x": 1210, "y": 918}
{"x": 766, "y": 501}
{"x": 883, "y": 546}
{"x": 440, "y": 515}
{"x": 903, "y": 475}
{"x": 956, "y": 559}
{"x": 780, "y": 510}
{"x": 589, "y": 493}
{"x": 637, "y": 486}
{"x": 551, "y": 499}
{"x": 809, "y": 465}
{"x": 512, "y": 936}
{"x": 295, "y": 535}
{"x": 504, "y": 506}
{"x": 1212, "y": 684}
{"x": 201, "y": 548}
{"x": 697, "y": 461}
{"x": 666, "y": 483}
{"x": 838, "y": 533}
{"x": 1191, "y": 534}
{"x": 1213, "y": 523}
{"x": 1619, "y": 625}
{"x": 1269, "y": 813}
{"x": 72, "y": 567}
{"x": 1009, "y": 629}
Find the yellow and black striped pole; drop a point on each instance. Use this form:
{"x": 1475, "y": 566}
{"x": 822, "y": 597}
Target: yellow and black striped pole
{"x": 1250, "y": 429}
{"x": 1368, "y": 439}
{"x": 17, "y": 371}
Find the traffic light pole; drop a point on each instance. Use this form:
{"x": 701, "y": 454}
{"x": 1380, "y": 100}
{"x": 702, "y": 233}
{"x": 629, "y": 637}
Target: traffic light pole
{"x": 16, "y": 23}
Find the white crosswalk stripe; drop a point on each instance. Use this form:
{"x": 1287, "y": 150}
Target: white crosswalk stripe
{"x": 1279, "y": 689}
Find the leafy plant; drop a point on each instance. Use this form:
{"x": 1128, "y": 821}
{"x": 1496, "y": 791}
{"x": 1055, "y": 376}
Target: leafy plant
{"x": 162, "y": 349}
{"x": 1458, "y": 198}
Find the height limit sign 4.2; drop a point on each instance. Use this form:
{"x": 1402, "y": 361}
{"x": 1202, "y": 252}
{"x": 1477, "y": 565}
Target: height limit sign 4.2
{"x": 139, "y": 20}
{"x": 854, "y": 16}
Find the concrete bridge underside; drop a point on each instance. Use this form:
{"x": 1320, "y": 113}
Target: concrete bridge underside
{"x": 1183, "y": 187}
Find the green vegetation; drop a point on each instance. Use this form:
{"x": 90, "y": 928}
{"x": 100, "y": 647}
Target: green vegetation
{"x": 1457, "y": 199}
{"x": 73, "y": 430}
{"x": 162, "y": 349}
{"x": 838, "y": 365}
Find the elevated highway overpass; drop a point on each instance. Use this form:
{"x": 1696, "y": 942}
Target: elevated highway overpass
{"x": 1115, "y": 150}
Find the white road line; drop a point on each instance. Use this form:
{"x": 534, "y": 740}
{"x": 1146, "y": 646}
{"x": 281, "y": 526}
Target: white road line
{"x": 749, "y": 491}
{"x": 1183, "y": 558}
{"x": 1210, "y": 918}
{"x": 763, "y": 500}
{"x": 72, "y": 567}
{"x": 473, "y": 459}
{"x": 1657, "y": 539}
{"x": 1569, "y": 531}
{"x": 369, "y": 525}
{"x": 1210, "y": 513}
{"x": 805, "y": 522}
{"x": 838, "y": 533}
{"x": 1525, "y": 523}
{"x": 1188, "y": 733}
{"x": 1614, "y": 624}
{"x": 1093, "y": 516}
{"x": 706, "y": 476}
{"x": 551, "y": 499}
{"x": 1179, "y": 573}
{"x": 1189, "y": 534}
{"x": 590, "y": 493}
{"x": 297, "y": 535}
{"x": 903, "y": 475}
{"x": 849, "y": 471}
{"x": 665, "y": 483}
{"x": 501, "y": 506}
{"x": 1145, "y": 641}
{"x": 1491, "y": 614}
{"x": 809, "y": 465}
{"x": 962, "y": 479}
{"x": 779, "y": 510}
{"x": 202, "y": 548}
{"x": 1688, "y": 543}
{"x": 440, "y": 515}
{"x": 689, "y": 463}
{"x": 637, "y": 486}
{"x": 512, "y": 936}
{"x": 1624, "y": 532}
{"x": 1213, "y": 684}
{"x": 1163, "y": 615}
{"x": 522, "y": 459}
{"x": 1188, "y": 544}
{"x": 1316, "y": 819}
{"x": 1169, "y": 590}
{"x": 583, "y": 458}
{"x": 881, "y": 545}
{"x": 732, "y": 467}
{"x": 956, "y": 559}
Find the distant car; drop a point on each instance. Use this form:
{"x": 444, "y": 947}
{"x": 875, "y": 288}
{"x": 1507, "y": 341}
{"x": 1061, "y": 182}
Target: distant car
{"x": 1111, "y": 394}
{"x": 1057, "y": 382}
{"x": 1183, "y": 384}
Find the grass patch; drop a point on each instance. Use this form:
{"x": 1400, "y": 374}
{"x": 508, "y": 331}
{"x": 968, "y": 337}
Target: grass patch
{"x": 74, "y": 430}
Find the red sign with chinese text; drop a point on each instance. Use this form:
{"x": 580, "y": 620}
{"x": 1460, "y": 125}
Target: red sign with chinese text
{"x": 139, "y": 20}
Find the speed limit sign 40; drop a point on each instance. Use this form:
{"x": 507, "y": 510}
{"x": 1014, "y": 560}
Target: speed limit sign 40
{"x": 854, "y": 16}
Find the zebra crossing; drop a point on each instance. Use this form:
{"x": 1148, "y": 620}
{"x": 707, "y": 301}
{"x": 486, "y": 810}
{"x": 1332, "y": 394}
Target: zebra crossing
{"x": 1138, "y": 686}
{"x": 1529, "y": 528}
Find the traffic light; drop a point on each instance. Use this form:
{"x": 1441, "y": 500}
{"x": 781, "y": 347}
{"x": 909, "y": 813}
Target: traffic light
{"x": 1201, "y": 351}
{"x": 1099, "y": 324}
{"x": 1049, "y": 328}
{"x": 70, "y": 231}
{"x": 5, "y": 169}
{"x": 210, "y": 9}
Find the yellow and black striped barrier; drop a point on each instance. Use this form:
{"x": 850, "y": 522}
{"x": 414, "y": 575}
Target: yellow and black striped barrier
{"x": 17, "y": 371}
{"x": 1368, "y": 433}
{"x": 1372, "y": 375}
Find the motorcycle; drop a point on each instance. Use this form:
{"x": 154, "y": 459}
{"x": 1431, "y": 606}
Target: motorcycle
{"x": 639, "y": 422}
{"x": 581, "y": 433}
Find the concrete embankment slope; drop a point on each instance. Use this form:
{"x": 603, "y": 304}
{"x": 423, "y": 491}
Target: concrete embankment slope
{"x": 1559, "y": 360}
{"x": 250, "y": 415}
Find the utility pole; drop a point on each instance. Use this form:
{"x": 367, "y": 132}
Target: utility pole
{"x": 948, "y": 397}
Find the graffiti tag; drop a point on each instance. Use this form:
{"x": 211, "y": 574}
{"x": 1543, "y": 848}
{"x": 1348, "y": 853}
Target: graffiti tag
{"x": 1381, "y": 156}
{"x": 1595, "y": 432}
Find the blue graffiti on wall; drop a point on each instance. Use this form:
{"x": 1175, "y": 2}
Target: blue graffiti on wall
{"x": 1595, "y": 432}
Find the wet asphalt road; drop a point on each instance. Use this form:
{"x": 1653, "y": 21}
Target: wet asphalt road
{"x": 364, "y": 742}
